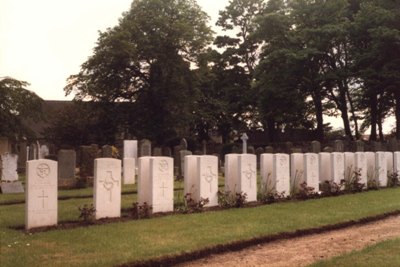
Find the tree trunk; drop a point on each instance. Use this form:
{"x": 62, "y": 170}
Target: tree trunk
{"x": 374, "y": 118}
{"x": 319, "y": 115}
{"x": 271, "y": 129}
{"x": 344, "y": 115}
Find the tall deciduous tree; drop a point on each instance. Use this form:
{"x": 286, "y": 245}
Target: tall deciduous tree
{"x": 147, "y": 60}
{"x": 16, "y": 104}
{"x": 376, "y": 48}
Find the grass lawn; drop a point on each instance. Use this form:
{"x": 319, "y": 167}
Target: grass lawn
{"x": 123, "y": 242}
{"x": 386, "y": 254}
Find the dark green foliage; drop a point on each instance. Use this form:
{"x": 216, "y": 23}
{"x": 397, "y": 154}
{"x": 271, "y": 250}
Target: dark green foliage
{"x": 305, "y": 192}
{"x": 352, "y": 183}
{"x": 393, "y": 180}
{"x": 192, "y": 206}
{"x": 271, "y": 197}
{"x": 228, "y": 199}
{"x": 330, "y": 188}
{"x": 87, "y": 213}
{"x": 17, "y": 104}
{"x": 146, "y": 60}
{"x": 141, "y": 211}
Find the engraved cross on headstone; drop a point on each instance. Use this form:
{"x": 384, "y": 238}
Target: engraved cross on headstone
{"x": 108, "y": 183}
{"x": 163, "y": 187}
{"x": 209, "y": 176}
{"x": 43, "y": 197}
{"x": 249, "y": 174}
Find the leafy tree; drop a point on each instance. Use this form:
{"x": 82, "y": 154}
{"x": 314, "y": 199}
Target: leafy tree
{"x": 224, "y": 103}
{"x": 282, "y": 103}
{"x": 239, "y": 17}
{"x": 16, "y": 105}
{"x": 376, "y": 49}
{"x": 84, "y": 123}
{"x": 146, "y": 60}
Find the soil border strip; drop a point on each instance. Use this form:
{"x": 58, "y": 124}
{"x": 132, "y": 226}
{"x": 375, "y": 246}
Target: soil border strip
{"x": 171, "y": 260}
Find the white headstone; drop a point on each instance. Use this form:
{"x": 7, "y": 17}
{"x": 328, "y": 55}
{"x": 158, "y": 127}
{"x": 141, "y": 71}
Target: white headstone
{"x": 349, "y": 165}
{"x": 107, "y": 187}
{"x": 361, "y": 167}
{"x": 389, "y": 160}
{"x": 9, "y": 164}
{"x": 129, "y": 170}
{"x": 162, "y": 184}
{"x": 311, "y": 170}
{"x": 371, "y": 173}
{"x": 182, "y": 156}
{"x": 190, "y": 181}
{"x": 207, "y": 169}
{"x": 231, "y": 173}
{"x": 267, "y": 171}
{"x": 396, "y": 162}
{"x": 247, "y": 168}
{"x": 337, "y": 167}
{"x": 281, "y": 173}
{"x": 143, "y": 182}
{"x": 296, "y": 170}
{"x": 325, "y": 170}
{"x": 130, "y": 149}
{"x": 381, "y": 168}
{"x": 41, "y": 193}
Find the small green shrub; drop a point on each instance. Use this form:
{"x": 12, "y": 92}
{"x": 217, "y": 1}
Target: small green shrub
{"x": 352, "y": 182}
{"x": 268, "y": 194}
{"x": 305, "y": 192}
{"x": 330, "y": 188}
{"x": 294, "y": 188}
{"x": 192, "y": 206}
{"x": 87, "y": 213}
{"x": 228, "y": 200}
{"x": 393, "y": 180}
{"x": 141, "y": 211}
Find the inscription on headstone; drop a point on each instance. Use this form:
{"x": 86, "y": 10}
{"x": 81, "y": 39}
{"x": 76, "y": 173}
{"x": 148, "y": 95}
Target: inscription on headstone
{"x": 281, "y": 173}
{"x": 41, "y": 193}
{"x": 247, "y": 168}
{"x": 107, "y": 187}
{"x": 207, "y": 169}
{"x": 162, "y": 182}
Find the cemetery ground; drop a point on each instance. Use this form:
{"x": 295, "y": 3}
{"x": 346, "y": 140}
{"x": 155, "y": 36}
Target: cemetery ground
{"x": 177, "y": 236}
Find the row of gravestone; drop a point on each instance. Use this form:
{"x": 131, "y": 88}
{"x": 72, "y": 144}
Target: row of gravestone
{"x": 155, "y": 179}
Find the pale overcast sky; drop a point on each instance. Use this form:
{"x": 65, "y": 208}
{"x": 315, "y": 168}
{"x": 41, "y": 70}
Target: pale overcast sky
{"x": 45, "y": 41}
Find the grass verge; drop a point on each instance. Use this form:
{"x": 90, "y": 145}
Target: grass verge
{"x": 141, "y": 240}
{"x": 386, "y": 253}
